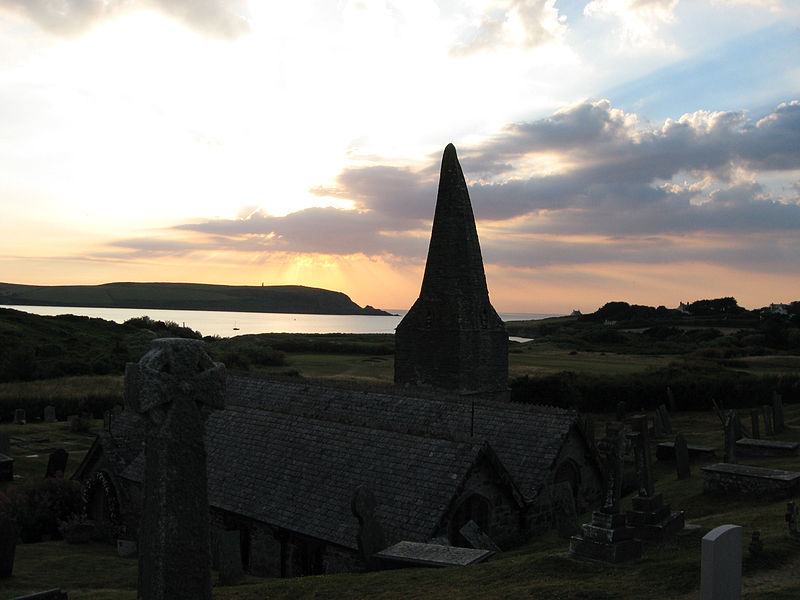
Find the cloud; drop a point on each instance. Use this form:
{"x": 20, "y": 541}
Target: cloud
{"x": 521, "y": 24}
{"x": 222, "y": 19}
{"x": 707, "y": 187}
{"x": 639, "y": 20}
{"x": 321, "y": 230}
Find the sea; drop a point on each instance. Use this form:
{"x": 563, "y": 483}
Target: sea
{"x": 229, "y": 324}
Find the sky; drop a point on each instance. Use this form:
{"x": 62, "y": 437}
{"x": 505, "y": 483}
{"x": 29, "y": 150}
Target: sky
{"x": 645, "y": 151}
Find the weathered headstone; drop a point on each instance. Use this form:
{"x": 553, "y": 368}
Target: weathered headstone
{"x": 641, "y": 451}
{"x": 665, "y": 419}
{"x": 737, "y": 425}
{"x": 50, "y": 414}
{"x": 777, "y": 413}
{"x": 57, "y": 464}
{"x": 730, "y": 438}
{"x": 607, "y": 537}
{"x": 588, "y": 429}
{"x": 8, "y": 546}
{"x": 19, "y": 416}
{"x": 682, "y": 457}
{"x": 650, "y": 517}
{"x": 477, "y": 538}
{"x": 621, "y": 408}
{"x": 756, "y": 545}
{"x": 671, "y": 399}
{"x": 230, "y": 557}
{"x": 754, "y": 424}
{"x": 178, "y": 384}
{"x": 126, "y": 548}
{"x": 107, "y": 420}
{"x": 721, "y": 564}
{"x": 5, "y": 443}
{"x": 658, "y": 424}
{"x": 791, "y": 519}
{"x": 767, "y": 412}
{"x": 371, "y": 539}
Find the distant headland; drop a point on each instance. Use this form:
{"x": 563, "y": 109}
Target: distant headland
{"x": 188, "y": 296}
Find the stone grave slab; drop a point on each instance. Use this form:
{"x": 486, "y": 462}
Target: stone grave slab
{"x": 50, "y": 414}
{"x": 432, "y": 555}
{"x": 751, "y": 447}
{"x": 750, "y": 481}
{"x": 665, "y": 451}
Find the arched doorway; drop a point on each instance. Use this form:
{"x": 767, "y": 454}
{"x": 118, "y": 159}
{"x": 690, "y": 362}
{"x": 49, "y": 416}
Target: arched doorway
{"x": 100, "y": 499}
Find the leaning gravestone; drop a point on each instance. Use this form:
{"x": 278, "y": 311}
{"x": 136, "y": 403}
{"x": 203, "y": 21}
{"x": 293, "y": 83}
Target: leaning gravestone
{"x": 754, "y": 424}
{"x": 721, "y": 564}
{"x": 682, "y": 457}
{"x": 230, "y": 557}
{"x": 8, "y": 546}
{"x": 671, "y": 399}
{"x": 57, "y": 464}
{"x": 19, "y": 416}
{"x": 767, "y": 412}
{"x": 477, "y": 538}
{"x": 49, "y": 414}
{"x": 371, "y": 539}
{"x": 177, "y": 385}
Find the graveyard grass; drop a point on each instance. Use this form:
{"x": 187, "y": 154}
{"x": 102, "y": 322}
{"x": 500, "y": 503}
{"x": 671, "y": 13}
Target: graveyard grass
{"x": 539, "y": 569}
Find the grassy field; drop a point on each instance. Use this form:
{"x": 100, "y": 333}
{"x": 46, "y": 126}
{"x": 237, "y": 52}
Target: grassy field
{"x": 540, "y": 569}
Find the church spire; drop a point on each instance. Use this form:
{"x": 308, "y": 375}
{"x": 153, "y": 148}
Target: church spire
{"x": 452, "y": 338}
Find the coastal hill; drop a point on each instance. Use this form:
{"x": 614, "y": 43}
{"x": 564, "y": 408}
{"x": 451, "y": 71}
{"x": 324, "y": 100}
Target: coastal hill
{"x": 188, "y": 296}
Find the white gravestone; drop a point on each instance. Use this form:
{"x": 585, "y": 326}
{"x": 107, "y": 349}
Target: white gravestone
{"x": 721, "y": 564}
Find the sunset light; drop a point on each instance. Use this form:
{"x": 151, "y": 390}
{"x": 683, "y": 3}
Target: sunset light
{"x": 615, "y": 150}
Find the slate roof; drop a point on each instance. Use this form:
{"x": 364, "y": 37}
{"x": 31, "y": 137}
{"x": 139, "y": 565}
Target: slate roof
{"x": 291, "y": 454}
{"x": 526, "y": 438}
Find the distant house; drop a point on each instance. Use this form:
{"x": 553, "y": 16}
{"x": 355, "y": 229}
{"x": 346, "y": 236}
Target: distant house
{"x": 778, "y": 309}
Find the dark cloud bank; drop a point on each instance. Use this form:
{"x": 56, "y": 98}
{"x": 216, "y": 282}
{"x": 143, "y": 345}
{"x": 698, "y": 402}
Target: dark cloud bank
{"x": 631, "y": 193}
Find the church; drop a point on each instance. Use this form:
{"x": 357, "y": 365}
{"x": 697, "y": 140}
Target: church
{"x": 443, "y": 448}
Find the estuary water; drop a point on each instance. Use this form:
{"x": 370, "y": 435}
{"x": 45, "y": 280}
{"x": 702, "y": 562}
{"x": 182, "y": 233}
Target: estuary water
{"x": 229, "y": 324}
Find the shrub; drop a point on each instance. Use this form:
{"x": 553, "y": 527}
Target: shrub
{"x": 39, "y": 510}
